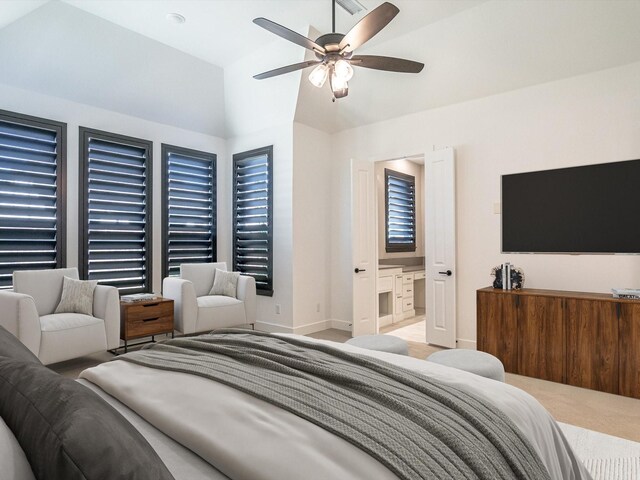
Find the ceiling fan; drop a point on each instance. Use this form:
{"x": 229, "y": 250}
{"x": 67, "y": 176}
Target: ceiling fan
{"x": 334, "y": 51}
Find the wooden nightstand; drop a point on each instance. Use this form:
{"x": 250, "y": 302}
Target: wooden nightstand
{"x": 145, "y": 319}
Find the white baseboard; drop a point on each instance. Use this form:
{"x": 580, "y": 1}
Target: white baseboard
{"x": 340, "y": 324}
{"x": 312, "y": 327}
{"x": 273, "y": 327}
{"x": 468, "y": 344}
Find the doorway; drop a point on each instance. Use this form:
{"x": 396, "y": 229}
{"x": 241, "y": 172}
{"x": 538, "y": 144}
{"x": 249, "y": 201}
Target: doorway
{"x": 385, "y": 287}
{"x": 400, "y": 253}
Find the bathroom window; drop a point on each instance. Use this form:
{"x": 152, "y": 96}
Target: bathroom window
{"x": 400, "y": 211}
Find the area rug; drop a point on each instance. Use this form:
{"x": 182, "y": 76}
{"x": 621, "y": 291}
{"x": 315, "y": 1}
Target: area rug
{"x": 605, "y": 456}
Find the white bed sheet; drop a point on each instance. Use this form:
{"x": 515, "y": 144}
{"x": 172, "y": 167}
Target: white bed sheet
{"x": 247, "y": 438}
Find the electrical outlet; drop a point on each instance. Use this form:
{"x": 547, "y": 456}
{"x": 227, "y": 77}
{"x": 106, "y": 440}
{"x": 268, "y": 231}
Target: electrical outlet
{"x": 277, "y": 309}
{"x": 318, "y": 308}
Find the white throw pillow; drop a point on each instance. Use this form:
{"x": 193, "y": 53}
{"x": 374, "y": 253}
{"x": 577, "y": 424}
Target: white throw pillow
{"x": 225, "y": 283}
{"x": 77, "y": 296}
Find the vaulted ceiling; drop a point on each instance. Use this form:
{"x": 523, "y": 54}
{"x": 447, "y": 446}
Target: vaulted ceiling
{"x": 125, "y": 55}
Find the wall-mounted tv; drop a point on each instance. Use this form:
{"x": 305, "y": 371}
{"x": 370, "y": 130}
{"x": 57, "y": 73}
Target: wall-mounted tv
{"x": 587, "y": 209}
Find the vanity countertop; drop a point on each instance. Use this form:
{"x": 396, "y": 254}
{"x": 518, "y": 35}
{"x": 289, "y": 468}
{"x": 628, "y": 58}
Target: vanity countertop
{"x": 413, "y": 268}
{"x": 387, "y": 267}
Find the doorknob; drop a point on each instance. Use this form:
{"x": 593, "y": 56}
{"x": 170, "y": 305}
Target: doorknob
{"x": 358, "y": 270}
{"x": 448, "y": 273}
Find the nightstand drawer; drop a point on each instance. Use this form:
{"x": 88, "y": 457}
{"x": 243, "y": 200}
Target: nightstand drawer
{"x": 149, "y": 326}
{"x": 145, "y": 311}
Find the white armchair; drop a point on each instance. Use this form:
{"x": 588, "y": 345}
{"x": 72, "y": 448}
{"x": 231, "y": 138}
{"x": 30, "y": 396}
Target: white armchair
{"x": 196, "y": 311}
{"x": 27, "y": 312}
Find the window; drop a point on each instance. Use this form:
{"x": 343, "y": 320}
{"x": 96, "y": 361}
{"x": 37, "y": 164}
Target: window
{"x": 115, "y": 218}
{"x": 253, "y": 216}
{"x": 400, "y": 208}
{"x": 32, "y": 208}
{"x": 188, "y": 209}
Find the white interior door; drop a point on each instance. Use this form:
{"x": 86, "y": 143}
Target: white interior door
{"x": 363, "y": 249}
{"x": 440, "y": 248}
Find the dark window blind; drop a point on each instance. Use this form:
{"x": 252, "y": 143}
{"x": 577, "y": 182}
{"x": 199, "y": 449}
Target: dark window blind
{"x": 400, "y": 196}
{"x": 189, "y": 208}
{"x": 253, "y": 216}
{"x": 32, "y": 157}
{"x": 116, "y": 241}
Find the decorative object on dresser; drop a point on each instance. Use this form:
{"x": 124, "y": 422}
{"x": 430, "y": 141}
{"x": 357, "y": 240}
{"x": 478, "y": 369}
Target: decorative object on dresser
{"x": 29, "y": 312}
{"x": 145, "y": 318}
{"x": 513, "y": 275}
{"x": 588, "y": 340}
{"x": 197, "y": 309}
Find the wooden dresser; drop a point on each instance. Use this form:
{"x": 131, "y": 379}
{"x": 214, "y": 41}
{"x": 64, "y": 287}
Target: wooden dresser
{"x": 589, "y": 340}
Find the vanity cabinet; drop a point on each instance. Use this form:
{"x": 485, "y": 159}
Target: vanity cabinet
{"x": 588, "y": 340}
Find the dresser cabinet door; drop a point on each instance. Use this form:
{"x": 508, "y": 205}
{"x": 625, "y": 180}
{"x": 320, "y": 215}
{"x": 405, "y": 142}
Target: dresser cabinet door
{"x": 629, "y": 377}
{"x": 497, "y": 332}
{"x": 592, "y": 344}
{"x": 541, "y": 334}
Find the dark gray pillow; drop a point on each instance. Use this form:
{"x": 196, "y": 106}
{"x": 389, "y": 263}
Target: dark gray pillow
{"x": 68, "y": 432}
{"x": 11, "y": 347}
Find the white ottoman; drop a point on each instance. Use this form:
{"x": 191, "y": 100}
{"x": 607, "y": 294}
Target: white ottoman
{"x": 381, "y": 343}
{"x": 472, "y": 361}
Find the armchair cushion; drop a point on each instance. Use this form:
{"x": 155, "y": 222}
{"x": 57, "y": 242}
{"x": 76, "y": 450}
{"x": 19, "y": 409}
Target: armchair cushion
{"x": 201, "y": 275}
{"x": 31, "y": 282}
{"x": 225, "y": 283}
{"x": 77, "y": 296}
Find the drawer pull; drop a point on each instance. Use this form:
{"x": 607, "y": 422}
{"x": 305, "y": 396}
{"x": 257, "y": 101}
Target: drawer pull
{"x": 150, "y": 319}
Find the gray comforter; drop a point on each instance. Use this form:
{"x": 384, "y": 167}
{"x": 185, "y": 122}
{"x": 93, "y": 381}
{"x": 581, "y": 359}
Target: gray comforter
{"x": 417, "y": 428}
{"x": 246, "y": 437}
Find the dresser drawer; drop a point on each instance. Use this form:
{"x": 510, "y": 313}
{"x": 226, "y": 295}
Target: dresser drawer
{"x": 407, "y": 304}
{"x": 407, "y": 278}
{"x": 407, "y": 290}
{"x": 385, "y": 284}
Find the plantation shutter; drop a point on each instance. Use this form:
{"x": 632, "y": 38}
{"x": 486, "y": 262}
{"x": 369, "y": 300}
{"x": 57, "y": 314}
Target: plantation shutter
{"x": 117, "y": 173}
{"x": 253, "y": 217}
{"x": 190, "y": 205}
{"x": 31, "y": 204}
{"x": 400, "y": 212}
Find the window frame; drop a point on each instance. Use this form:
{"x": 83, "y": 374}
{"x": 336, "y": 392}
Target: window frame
{"x": 61, "y": 174}
{"x": 391, "y": 247}
{"x": 268, "y": 151}
{"x": 167, "y": 149}
{"x": 85, "y": 133}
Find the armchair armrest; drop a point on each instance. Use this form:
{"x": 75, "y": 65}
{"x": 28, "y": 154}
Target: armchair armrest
{"x": 185, "y": 305}
{"x": 246, "y": 291}
{"x": 106, "y": 306}
{"x": 20, "y": 317}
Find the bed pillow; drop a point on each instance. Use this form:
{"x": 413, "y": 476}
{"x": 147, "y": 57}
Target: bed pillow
{"x": 67, "y": 431}
{"x": 225, "y": 283}
{"x": 77, "y": 296}
{"x": 11, "y": 347}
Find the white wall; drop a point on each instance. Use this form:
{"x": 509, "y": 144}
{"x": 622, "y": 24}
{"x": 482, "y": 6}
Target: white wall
{"x": 417, "y": 171}
{"x": 588, "y": 119}
{"x": 311, "y": 227}
{"x": 76, "y": 115}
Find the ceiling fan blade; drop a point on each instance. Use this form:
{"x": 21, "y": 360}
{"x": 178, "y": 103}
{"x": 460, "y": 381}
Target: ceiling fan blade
{"x": 287, "y": 69}
{"x": 369, "y": 26}
{"x": 390, "y": 64}
{"x": 287, "y": 34}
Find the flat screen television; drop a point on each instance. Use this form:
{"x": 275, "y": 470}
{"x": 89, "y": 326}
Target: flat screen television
{"x": 587, "y": 209}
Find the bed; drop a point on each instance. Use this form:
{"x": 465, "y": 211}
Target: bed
{"x": 200, "y": 428}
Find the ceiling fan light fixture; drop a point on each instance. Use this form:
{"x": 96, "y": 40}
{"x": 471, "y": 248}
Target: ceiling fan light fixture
{"x": 339, "y": 86}
{"x": 343, "y": 70}
{"x": 319, "y": 75}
